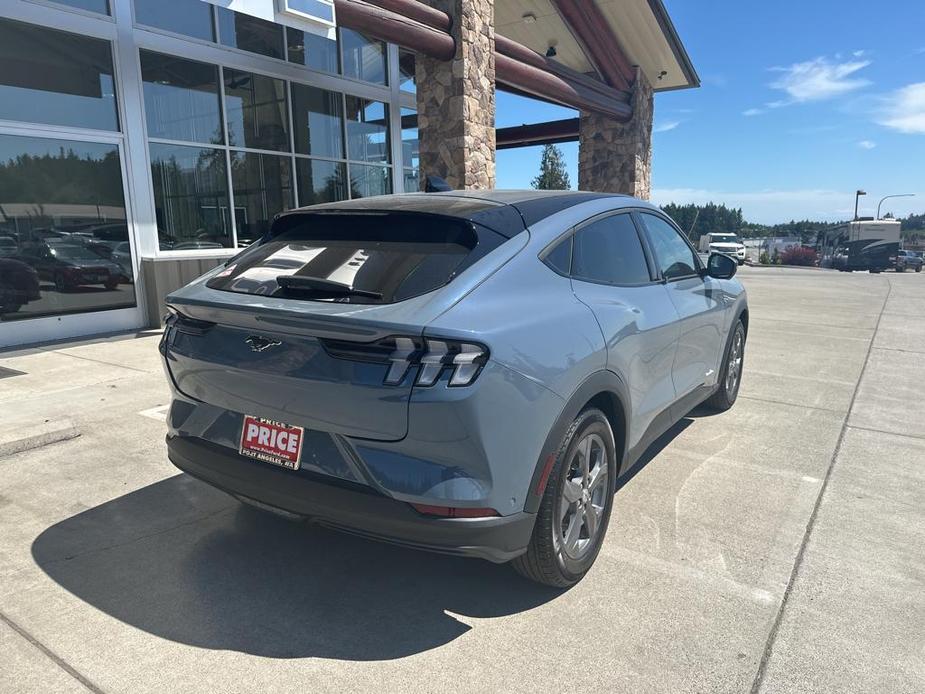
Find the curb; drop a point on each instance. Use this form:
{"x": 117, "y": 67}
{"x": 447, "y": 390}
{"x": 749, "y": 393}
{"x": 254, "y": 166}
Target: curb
{"x": 31, "y": 437}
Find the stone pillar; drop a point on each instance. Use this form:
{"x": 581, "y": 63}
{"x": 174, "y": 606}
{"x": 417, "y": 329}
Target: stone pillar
{"x": 615, "y": 157}
{"x": 456, "y": 100}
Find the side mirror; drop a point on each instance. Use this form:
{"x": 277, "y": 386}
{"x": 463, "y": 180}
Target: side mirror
{"x": 721, "y": 267}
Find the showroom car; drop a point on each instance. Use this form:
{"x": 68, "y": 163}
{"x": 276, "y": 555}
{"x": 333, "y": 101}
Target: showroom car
{"x": 467, "y": 373}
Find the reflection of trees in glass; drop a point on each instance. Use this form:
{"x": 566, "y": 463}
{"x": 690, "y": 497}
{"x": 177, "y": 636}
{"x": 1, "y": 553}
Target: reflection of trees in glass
{"x": 65, "y": 177}
{"x": 366, "y": 181}
{"x": 190, "y": 192}
{"x": 336, "y": 184}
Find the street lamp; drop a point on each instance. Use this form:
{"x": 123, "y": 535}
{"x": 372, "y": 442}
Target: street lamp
{"x": 857, "y": 197}
{"x": 900, "y": 195}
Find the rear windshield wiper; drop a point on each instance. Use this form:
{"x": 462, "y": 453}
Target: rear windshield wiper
{"x": 318, "y": 286}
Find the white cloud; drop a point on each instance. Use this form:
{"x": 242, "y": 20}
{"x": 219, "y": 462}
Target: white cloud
{"x": 752, "y": 112}
{"x": 859, "y": 54}
{"x": 904, "y": 109}
{"x": 817, "y": 80}
{"x": 665, "y": 126}
{"x": 867, "y": 144}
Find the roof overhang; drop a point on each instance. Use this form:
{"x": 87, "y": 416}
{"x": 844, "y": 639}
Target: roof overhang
{"x": 642, "y": 30}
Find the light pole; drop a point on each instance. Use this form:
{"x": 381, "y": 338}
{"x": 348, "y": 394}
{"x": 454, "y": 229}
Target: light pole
{"x": 857, "y": 196}
{"x": 899, "y": 195}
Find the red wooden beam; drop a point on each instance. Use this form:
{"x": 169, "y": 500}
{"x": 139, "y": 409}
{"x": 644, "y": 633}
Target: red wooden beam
{"x": 518, "y": 51}
{"x": 387, "y": 25}
{"x": 417, "y": 26}
{"x": 589, "y": 26}
{"x": 418, "y": 11}
{"x": 536, "y": 81}
{"x": 550, "y": 133}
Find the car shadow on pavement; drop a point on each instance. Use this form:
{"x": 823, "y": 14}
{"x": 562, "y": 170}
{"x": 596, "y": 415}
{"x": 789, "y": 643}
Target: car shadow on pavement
{"x": 185, "y": 562}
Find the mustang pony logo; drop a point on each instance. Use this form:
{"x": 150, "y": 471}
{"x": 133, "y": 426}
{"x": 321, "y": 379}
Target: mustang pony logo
{"x": 259, "y": 343}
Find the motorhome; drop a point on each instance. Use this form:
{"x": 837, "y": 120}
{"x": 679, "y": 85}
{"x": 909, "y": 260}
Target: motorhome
{"x": 866, "y": 244}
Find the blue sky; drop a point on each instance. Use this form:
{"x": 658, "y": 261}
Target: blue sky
{"x": 802, "y": 103}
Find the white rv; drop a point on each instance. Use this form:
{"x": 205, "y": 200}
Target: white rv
{"x": 862, "y": 245}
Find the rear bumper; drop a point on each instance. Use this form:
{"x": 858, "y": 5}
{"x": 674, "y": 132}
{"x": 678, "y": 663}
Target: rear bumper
{"x": 350, "y": 507}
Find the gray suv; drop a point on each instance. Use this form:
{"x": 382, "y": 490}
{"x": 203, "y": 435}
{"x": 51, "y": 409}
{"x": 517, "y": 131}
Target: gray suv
{"x": 466, "y": 373}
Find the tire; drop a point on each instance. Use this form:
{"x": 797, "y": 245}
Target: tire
{"x": 558, "y": 556}
{"x": 728, "y": 389}
{"x": 918, "y": 269}
{"x": 111, "y": 284}
{"x": 900, "y": 269}
{"x": 61, "y": 283}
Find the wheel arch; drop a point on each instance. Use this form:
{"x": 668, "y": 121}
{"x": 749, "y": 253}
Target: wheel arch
{"x": 604, "y": 390}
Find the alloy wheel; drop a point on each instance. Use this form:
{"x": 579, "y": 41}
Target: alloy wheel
{"x": 584, "y": 497}
{"x": 734, "y": 368}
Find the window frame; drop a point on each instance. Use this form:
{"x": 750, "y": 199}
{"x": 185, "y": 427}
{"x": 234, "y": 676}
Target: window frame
{"x": 568, "y": 236}
{"x": 699, "y": 269}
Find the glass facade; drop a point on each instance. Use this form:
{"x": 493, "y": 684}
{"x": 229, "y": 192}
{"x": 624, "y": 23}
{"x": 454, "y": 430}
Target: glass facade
{"x": 191, "y": 18}
{"x": 250, "y": 33}
{"x": 56, "y": 78}
{"x": 64, "y": 241}
{"x": 213, "y": 147}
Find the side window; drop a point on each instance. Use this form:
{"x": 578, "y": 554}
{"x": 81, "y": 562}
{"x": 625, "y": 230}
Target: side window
{"x": 673, "y": 256}
{"x": 609, "y": 251}
{"x": 560, "y": 257}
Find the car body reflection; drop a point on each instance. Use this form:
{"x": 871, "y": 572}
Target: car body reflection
{"x": 69, "y": 265}
{"x": 19, "y": 284}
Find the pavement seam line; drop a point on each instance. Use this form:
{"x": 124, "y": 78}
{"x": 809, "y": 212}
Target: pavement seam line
{"x": 107, "y": 363}
{"x": 810, "y": 524}
{"x": 914, "y": 437}
{"x": 51, "y": 655}
{"x": 792, "y": 404}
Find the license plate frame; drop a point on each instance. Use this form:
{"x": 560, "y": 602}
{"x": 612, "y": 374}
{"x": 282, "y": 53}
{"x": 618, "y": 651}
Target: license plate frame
{"x": 270, "y": 441}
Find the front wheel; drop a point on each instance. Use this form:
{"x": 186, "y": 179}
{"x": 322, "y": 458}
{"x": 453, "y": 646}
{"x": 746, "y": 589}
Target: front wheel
{"x": 575, "y": 511}
{"x": 730, "y": 378}
{"x": 918, "y": 269}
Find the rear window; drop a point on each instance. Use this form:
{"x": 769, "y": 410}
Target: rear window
{"x": 357, "y": 257}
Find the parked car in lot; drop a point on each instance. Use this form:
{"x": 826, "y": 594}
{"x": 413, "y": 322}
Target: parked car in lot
{"x": 8, "y": 246}
{"x": 19, "y": 284}
{"x": 727, "y": 244}
{"x": 907, "y": 260}
{"x": 69, "y": 265}
{"x": 459, "y": 372}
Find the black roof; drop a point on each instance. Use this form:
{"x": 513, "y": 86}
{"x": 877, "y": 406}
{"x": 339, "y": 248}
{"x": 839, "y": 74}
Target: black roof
{"x": 506, "y": 211}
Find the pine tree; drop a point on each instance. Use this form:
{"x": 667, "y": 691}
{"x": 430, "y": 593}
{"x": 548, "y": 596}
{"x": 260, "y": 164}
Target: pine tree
{"x": 553, "y": 175}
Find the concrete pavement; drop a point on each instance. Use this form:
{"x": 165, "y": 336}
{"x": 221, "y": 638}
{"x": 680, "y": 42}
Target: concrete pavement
{"x": 773, "y": 548}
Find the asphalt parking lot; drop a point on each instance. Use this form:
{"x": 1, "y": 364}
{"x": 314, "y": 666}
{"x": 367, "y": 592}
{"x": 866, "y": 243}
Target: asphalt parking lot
{"x": 774, "y": 548}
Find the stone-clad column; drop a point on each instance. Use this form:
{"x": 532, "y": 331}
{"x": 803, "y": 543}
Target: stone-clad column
{"x": 616, "y": 157}
{"x": 456, "y": 100}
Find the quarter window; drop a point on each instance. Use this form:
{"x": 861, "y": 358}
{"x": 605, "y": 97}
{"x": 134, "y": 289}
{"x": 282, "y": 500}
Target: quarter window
{"x": 673, "y": 255}
{"x": 609, "y": 251}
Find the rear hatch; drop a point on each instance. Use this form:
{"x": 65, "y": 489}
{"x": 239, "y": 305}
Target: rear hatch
{"x": 300, "y": 327}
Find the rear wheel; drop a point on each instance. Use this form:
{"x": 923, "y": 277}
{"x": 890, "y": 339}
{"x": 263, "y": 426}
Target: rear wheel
{"x": 111, "y": 284}
{"x": 731, "y": 376}
{"x": 575, "y": 510}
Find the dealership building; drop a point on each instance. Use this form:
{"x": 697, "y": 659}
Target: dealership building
{"x": 143, "y": 142}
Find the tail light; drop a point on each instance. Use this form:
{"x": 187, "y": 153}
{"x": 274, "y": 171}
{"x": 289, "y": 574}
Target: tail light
{"x": 430, "y": 356}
